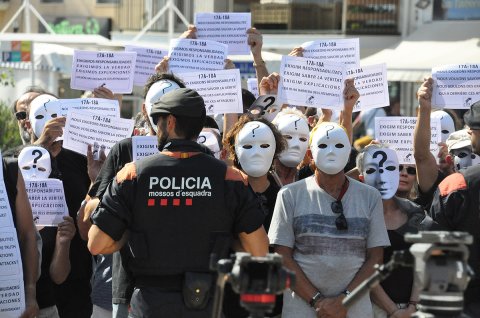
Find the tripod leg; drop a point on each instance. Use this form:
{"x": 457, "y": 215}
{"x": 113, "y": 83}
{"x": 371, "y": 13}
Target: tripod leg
{"x": 218, "y": 298}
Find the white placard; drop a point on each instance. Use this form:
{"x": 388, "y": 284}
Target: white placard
{"x": 147, "y": 59}
{"x": 196, "y": 55}
{"x": 311, "y": 83}
{"x": 252, "y": 86}
{"x": 144, "y": 146}
{"x": 47, "y": 199}
{"x": 114, "y": 70}
{"x": 103, "y": 106}
{"x": 345, "y": 51}
{"x": 84, "y": 128}
{"x": 456, "y": 86}
{"x": 10, "y": 257}
{"x": 221, "y": 90}
{"x": 225, "y": 27}
{"x": 397, "y": 132}
{"x": 12, "y": 298}
{"x": 5, "y": 210}
{"x": 371, "y": 82}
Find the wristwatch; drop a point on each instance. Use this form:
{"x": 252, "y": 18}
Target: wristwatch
{"x": 315, "y": 298}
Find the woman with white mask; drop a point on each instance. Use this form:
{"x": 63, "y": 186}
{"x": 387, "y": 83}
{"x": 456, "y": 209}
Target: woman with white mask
{"x": 379, "y": 168}
{"x": 253, "y": 144}
{"x": 293, "y": 125}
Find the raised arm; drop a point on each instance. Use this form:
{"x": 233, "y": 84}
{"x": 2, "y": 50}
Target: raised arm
{"x": 255, "y": 40}
{"x": 350, "y": 97}
{"x": 427, "y": 170}
{"x": 60, "y": 265}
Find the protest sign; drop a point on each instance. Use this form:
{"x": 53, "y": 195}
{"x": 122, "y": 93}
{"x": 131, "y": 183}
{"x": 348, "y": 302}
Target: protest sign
{"x": 225, "y": 27}
{"x": 106, "y": 107}
{"x": 371, "y": 82}
{"x": 84, "y": 128}
{"x": 147, "y": 59}
{"x": 10, "y": 257}
{"x": 345, "y": 51}
{"x": 252, "y": 86}
{"x": 196, "y": 55}
{"x": 144, "y": 146}
{"x": 456, "y": 86}
{"x": 114, "y": 70}
{"x": 47, "y": 199}
{"x": 397, "y": 133}
{"x": 12, "y": 297}
{"x": 311, "y": 83}
{"x": 221, "y": 90}
{"x": 5, "y": 210}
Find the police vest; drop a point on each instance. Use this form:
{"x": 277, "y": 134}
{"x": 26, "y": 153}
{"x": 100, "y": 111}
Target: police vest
{"x": 179, "y": 210}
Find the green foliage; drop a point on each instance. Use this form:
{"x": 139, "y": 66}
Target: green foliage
{"x": 6, "y": 78}
{"x": 9, "y": 136}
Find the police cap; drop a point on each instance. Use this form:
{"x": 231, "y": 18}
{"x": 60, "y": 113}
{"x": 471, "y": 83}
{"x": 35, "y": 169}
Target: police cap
{"x": 180, "y": 102}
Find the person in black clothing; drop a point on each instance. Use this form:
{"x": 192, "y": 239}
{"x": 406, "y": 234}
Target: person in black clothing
{"x": 173, "y": 210}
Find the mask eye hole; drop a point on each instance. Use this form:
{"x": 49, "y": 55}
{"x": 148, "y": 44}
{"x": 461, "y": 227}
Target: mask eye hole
{"x": 339, "y": 146}
{"x": 42, "y": 169}
{"x": 264, "y": 146}
{"x": 26, "y": 168}
{"x": 303, "y": 139}
{"x": 54, "y": 115}
{"x": 444, "y": 131}
{"x": 390, "y": 168}
{"x": 370, "y": 170}
{"x": 462, "y": 155}
{"x": 288, "y": 137}
{"x": 39, "y": 117}
{"x": 322, "y": 146}
{"x": 473, "y": 156}
{"x": 247, "y": 146}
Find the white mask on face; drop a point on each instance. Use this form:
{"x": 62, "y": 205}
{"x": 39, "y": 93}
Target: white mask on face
{"x": 380, "y": 170}
{"x": 330, "y": 148}
{"x": 446, "y": 122}
{"x": 255, "y": 148}
{"x": 475, "y": 159}
{"x": 157, "y": 90}
{"x": 34, "y": 163}
{"x": 296, "y": 132}
{"x": 209, "y": 140}
{"x": 41, "y": 111}
{"x": 462, "y": 158}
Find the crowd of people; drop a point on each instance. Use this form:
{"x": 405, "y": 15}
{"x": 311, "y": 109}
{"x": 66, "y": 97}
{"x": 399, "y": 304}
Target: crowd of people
{"x": 309, "y": 184}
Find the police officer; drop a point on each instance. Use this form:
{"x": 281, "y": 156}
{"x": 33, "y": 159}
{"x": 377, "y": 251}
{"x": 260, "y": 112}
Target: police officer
{"x": 176, "y": 205}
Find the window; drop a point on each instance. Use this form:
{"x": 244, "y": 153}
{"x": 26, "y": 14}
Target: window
{"x": 51, "y": 1}
{"x": 108, "y": 1}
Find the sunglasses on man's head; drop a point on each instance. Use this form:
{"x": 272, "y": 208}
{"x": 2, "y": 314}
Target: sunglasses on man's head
{"x": 21, "y": 115}
{"x": 340, "y": 221}
{"x": 410, "y": 170}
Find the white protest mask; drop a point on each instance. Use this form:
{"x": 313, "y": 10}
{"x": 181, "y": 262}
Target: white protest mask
{"x": 255, "y": 147}
{"x": 446, "y": 123}
{"x": 380, "y": 170}
{"x": 41, "y": 111}
{"x": 475, "y": 159}
{"x": 330, "y": 148}
{"x": 462, "y": 158}
{"x": 34, "y": 163}
{"x": 209, "y": 140}
{"x": 157, "y": 90}
{"x": 296, "y": 132}
{"x": 266, "y": 106}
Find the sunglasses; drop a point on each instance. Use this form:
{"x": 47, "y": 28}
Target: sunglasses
{"x": 340, "y": 221}
{"x": 21, "y": 115}
{"x": 410, "y": 170}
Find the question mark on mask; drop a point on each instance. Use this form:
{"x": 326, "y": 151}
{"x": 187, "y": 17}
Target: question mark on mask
{"x": 329, "y": 129}
{"x": 296, "y": 123}
{"x": 201, "y": 139}
{"x": 169, "y": 85}
{"x": 36, "y": 151}
{"x": 253, "y": 130}
{"x": 382, "y": 161}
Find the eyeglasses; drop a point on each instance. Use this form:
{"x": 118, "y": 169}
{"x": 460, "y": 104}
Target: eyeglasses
{"x": 410, "y": 170}
{"x": 341, "y": 221}
{"x": 21, "y": 115}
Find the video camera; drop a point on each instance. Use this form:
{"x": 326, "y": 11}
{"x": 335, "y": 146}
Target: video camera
{"x": 256, "y": 279}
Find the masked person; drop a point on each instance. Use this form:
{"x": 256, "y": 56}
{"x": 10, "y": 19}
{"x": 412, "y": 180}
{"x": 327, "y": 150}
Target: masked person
{"x": 330, "y": 230}
{"x": 459, "y": 148}
{"x": 446, "y": 123}
{"x": 173, "y": 210}
{"x": 293, "y": 125}
{"x": 379, "y": 168}
{"x": 35, "y": 164}
{"x": 210, "y": 138}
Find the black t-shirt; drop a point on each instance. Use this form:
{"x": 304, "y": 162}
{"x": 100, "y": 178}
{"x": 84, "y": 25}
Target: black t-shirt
{"x": 425, "y": 199}
{"x": 45, "y": 285}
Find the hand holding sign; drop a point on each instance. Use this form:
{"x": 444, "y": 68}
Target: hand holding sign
{"x": 269, "y": 85}
{"x": 66, "y": 230}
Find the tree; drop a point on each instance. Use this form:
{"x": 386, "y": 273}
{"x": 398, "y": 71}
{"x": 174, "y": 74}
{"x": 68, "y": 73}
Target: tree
{"x": 9, "y": 136}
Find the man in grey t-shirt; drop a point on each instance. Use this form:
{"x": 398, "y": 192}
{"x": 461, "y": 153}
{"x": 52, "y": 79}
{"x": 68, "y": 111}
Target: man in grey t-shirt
{"x": 330, "y": 230}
